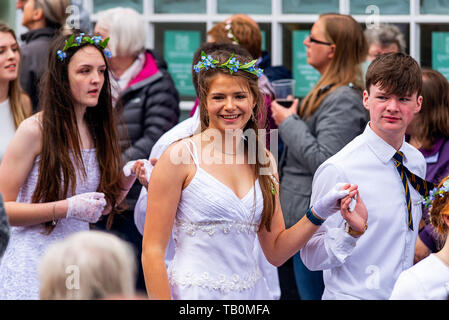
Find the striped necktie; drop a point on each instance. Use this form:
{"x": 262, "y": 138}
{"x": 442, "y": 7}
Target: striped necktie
{"x": 420, "y": 185}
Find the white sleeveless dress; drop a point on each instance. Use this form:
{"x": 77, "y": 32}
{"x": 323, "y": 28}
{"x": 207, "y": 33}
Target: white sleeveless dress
{"x": 214, "y": 234}
{"x": 19, "y": 266}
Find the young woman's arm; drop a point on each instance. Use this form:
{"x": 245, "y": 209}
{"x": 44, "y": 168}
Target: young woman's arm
{"x": 164, "y": 191}
{"x": 15, "y": 168}
{"x": 279, "y": 244}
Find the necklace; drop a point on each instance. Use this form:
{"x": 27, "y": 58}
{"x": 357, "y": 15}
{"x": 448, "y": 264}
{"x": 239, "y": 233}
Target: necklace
{"x": 224, "y": 152}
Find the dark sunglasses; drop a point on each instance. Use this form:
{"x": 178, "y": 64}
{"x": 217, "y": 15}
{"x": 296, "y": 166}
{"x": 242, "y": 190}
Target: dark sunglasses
{"x": 318, "y": 41}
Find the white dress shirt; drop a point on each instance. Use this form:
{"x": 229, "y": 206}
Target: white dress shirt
{"x": 426, "y": 280}
{"x": 366, "y": 267}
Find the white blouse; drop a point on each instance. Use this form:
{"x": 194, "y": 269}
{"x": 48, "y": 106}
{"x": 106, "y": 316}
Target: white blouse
{"x": 7, "y": 126}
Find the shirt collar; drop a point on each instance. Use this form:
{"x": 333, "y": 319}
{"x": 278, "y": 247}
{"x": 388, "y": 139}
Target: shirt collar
{"x": 382, "y": 149}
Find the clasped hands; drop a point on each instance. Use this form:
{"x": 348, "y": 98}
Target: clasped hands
{"x": 141, "y": 169}
{"x": 346, "y": 198}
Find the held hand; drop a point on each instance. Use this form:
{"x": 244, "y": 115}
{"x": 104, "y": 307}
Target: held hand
{"x": 279, "y": 113}
{"x": 140, "y": 169}
{"x": 359, "y": 216}
{"x": 330, "y": 203}
{"x": 86, "y": 206}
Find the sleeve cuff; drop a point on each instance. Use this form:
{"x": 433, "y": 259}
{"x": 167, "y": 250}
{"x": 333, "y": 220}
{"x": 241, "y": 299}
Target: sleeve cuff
{"x": 339, "y": 243}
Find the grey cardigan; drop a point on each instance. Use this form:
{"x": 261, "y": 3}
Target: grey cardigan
{"x": 308, "y": 143}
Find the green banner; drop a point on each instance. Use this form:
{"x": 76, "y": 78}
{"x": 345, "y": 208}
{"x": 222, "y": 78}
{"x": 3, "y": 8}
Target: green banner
{"x": 440, "y": 52}
{"x": 179, "y": 47}
{"x": 304, "y": 74}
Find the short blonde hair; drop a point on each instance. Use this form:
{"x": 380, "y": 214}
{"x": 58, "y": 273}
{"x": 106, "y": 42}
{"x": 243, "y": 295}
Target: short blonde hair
{"x": 126, "y": 28}
{"x": 87, "y": 265}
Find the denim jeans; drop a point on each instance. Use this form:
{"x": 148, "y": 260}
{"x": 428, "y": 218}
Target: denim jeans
{"x": 310, "y": 283}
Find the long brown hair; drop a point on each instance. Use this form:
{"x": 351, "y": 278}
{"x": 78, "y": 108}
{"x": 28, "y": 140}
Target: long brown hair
{"x": 222, "y": 52}
{"x": 15, "y": 93}
{"x": 61, "y": 136}
{"x": 434, "y": 114}
{"x": 345, "y": 67}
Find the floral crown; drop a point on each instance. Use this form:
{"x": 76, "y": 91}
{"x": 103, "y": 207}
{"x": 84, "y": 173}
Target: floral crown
{"x": 75, "y": 42}
{"x": 232, "y": 64}
{"x": 436, "y": 192}
{"x": 230, "y": 34}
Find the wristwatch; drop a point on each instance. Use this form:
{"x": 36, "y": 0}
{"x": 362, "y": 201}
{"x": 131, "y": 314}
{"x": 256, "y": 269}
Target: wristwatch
{"x": 353, "y": 232}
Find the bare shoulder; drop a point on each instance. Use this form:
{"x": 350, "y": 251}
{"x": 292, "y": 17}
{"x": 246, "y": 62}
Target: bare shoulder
{"x": 29, "y": 135}
{"x": 178, "y": 154}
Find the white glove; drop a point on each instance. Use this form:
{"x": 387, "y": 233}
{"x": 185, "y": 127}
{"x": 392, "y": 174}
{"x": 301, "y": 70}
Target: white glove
{"x": 329, "y": 204}
{"x": 127, "y": 169}
{"x": 86, "y": 206}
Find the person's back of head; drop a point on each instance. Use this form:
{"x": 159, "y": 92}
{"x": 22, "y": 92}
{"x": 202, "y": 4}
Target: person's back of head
{"x": 395, "y": 73}
{"x": 434, "y": 115}
{"x": 238, "y": 30}
{"x": 53, "y": 11}
{"x": 384, "y": 38}
{"x": 126, "y": 29}
{"x": 87, "y": 265}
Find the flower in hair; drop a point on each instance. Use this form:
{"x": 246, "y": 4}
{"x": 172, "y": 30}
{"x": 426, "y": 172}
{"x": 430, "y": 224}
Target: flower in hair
{"x": 207, "y": 62}
{"x": 61, "y": 55}
{"x": 107, "y": 53}
{"x": 96, "y": 40}
{"x": 434, "y": 193}
{"x": 230, "y": 34}
{"x": 80, "y": 39}
{"x": 233, "y": 65}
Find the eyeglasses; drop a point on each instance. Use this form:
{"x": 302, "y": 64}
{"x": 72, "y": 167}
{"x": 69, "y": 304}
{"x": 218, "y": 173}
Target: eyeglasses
{"x": 318, "y": 41}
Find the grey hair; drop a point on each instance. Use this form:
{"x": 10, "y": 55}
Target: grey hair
{"x": 54, "y": 10}
{"x": 386, "y": 34}
{"x": 126, "y": 28}
{"x": 87, "y": 265}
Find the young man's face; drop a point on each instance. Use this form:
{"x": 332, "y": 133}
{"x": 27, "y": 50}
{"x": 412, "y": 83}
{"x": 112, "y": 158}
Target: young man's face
{"x": 390, "y": 114}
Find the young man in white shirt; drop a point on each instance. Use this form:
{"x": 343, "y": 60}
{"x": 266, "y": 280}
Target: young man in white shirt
{"x": 364, "y": 264}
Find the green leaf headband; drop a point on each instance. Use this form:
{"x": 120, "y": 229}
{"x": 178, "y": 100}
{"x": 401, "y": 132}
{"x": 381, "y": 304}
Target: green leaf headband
{"x": 232, "y": 64}
{"x": 75, "y": 42}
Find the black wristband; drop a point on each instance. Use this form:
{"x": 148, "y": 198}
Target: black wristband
{"x": 316, "y": 221}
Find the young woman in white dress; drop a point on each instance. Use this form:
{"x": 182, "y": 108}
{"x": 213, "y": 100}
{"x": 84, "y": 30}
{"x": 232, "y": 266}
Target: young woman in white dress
{"x": 62, "y": 169}
{"x": 217, "y": 192}
{"x": 429, "y": 278}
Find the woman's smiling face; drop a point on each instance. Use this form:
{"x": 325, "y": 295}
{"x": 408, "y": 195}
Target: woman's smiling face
{"x": 230, "y": 103}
